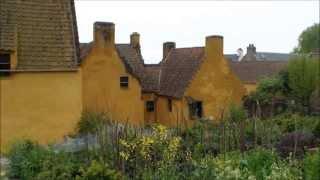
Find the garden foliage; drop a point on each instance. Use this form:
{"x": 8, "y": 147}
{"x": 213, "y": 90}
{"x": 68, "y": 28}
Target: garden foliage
{"x": 204, "y": 151}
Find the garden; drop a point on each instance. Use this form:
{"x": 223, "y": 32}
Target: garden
{"x": 279, "y": 148}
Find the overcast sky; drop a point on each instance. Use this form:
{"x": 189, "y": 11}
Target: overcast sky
{"x": 272, "y": 26}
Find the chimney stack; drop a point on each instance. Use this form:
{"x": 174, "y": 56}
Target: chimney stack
{"x": 214, "y": 46}
{"x": 251, "y": 49}
{"x": 135, "y": 40}
{"x": 104, "y": 34}
{"x": 167, "y": 47}
{"x": 251, "y": 53}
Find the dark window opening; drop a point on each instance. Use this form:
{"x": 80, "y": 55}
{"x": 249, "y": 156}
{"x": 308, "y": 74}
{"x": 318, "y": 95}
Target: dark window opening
{"x": 150, "y": 106}
{"x": 4, "y": 64}
{"x": 170, "y": 105}
{"x": 195, "y": 109}
{"x": 124, "y": 81}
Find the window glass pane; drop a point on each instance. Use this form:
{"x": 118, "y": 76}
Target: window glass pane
{"x": 150, "y": 106}
{"x": 124, "y": 81}
{"x": 4, "y": 64}
{"x": 195, "y": 110}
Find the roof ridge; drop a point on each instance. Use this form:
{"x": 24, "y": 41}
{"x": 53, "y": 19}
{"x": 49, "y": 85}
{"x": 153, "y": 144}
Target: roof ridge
{"x": 259, "y": 61}
{"x": 189, "y": 47}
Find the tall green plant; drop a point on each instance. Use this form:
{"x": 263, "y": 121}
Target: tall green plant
{"x": 312, "y": 166}
{"x": 309, "y": 39}
{"x": 303, "y": 78}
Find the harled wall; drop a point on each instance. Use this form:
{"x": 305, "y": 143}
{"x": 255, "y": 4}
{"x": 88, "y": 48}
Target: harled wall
{"x": 42, "y": 106}
{"x": 102, "y": 69}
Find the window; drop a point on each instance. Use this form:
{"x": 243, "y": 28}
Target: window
{"x": 124, "y": 81}
{"x": 4, "y": 63}
{"x": 170, "y": 105}
{"x": 195, "y": 109}
{"x": 150, "y": 106}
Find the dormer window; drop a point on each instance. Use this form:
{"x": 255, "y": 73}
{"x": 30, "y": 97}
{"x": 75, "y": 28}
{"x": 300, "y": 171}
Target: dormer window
{"x": 4, "y": 64}
{"x": 124, "y": 81}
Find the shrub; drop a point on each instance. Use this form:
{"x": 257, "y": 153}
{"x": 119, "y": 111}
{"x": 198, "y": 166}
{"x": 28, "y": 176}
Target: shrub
{"x": 312, "y": 166}
{"x": 259, "y": 162}
{"x": 303, "y": 79}
{"x": 295, "y": 143}
{"x": 293, "y": 122}
{"x": 59, "y": 166}
{"x": 91, "y": 122}
{"x": 26, "y": 158}
{"x": 97, "y": 170}
{"x": 157, "y": 151}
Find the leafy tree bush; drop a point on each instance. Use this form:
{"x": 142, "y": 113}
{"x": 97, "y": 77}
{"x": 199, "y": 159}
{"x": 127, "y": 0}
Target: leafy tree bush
{"x": 259, "y": 162}
{"x": 157, "y": 151}
{"x": 303, "y": 79}
{"x": 309, "y": 39}
{"x": 98, "y": 170}
{"x": 297, "y": 82}
{"x": 312, "y": 166}
{"x": 289, "y": 122}
{"x": 26, "y": 159}
{"x": 91, "y": 122}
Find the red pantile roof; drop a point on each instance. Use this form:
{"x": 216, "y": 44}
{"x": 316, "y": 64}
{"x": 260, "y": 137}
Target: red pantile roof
{"x": 178, "y": 69}
{"x": 151, "y": 78}
{"x": 252, "y": 71}
{"x": 44, "y": 34}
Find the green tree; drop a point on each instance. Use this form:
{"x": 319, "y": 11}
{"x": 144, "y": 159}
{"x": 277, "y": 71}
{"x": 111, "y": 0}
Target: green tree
{"x": 309, "y": 39}
{"x": 303, "y": 78}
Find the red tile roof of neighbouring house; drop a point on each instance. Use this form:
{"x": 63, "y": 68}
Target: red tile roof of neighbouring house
{"x": 253, "y": 71}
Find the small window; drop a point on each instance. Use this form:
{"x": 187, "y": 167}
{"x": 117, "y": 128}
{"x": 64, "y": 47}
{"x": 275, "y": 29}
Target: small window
{"x": 150, "y": 106}
{"x": 195, "y": 109}
{"x": 170, "y": 105}
{"x": 124, "y": 81}
{"x": 4, "y": 64}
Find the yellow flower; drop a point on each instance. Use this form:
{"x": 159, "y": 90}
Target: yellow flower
{"x": 124, "y": 143}
{"x": 160, "y": 131}
{"x": 124, "y": 155}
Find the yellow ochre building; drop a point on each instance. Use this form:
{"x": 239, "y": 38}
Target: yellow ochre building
{"x": 47, "y": 78}
{"x": 188, "y": 83}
